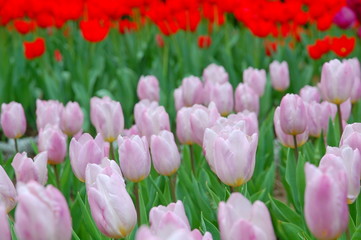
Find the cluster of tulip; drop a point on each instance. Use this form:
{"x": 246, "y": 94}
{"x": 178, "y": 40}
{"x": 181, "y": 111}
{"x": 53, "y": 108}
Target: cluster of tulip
{"x": 204, "y": 117}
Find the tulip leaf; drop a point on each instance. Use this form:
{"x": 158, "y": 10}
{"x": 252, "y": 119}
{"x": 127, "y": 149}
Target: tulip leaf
{"x": 291, "y": 178}
{"x": 292, "y": 231}
{"x": 207, "y": 226}
{"x": 143, "y": 211}
{"x": 75, "y": 236}
{"x": 333, "y": 133}
{"x": 301, "y": 180}
{"x": 284, "y": 213}
{"x": 357, "y": 234}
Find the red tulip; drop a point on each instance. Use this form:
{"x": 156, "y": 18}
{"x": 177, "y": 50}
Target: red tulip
{"x": 34, "y": 49}
{"x": 57, "y": 55}
{"x": 94, "y": 30}
{"x": 343, "y": 45}
{"x": 24, "y": 27}
{"x": 204, "y": 41}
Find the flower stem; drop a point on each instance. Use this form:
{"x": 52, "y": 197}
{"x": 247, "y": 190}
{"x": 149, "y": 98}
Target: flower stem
{"x": 57, "y": 178}
{"x": 296, "y": 148}
{"x": 111, "y": 151}
{"x": 16, "y": 145}
{"x": 191, "y": 151}
{"x": 339, "y": 118}
{"x": 136, "y": 194}
{"x": 172, "y": 182}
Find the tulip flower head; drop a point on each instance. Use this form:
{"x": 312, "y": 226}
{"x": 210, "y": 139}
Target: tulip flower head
{"x": 71, "y": 119}
{"x": 280, "y": 77}
{"x": 27, "y": 169}
{"x": 148, "y": 88}
{"x": 255, "y": 79}
{"x": 48, "y": 113}
{"x": 7, "y": 191}
{"x": 13, "y": 121}
{"x": 246, "y": 99}
{"x": 53, "y": 141}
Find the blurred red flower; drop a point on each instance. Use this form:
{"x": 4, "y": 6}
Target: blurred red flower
{"x": 126, "y": 26}
{"x": 94, "y": 30}
{"x": 57, "y": 55}
{"x": 343, "y": 46}
{"x": 204, "y": 41}
{"x": 34, "y": 49}
{"x": 159, "y": 40}
{"x": 24, "y": 27}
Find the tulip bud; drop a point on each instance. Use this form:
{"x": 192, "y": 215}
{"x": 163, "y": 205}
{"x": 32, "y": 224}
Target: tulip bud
{"x": 172, "y": 215}
{"x": 86, "y": 150}
{"x": 246, "y": 99}
{"x": 280, "y": 77}
{"x": 318, "y": 117}
{"x": 234, "y": 157}
{"x": 356, "y": 89}
{"x": 221, "y": 95}
{"x": 48, "y": 112}
{"x": 54, "y": 222}
{"x": 215, "y": 74}
{"x": 148, "y": 88}
{"x": 52, "y": 140}
{"x": 7, "y": 191}
{"x": 202, "y": 118}
{"x": 286, "y": 139}
{"x": 13, "y": 121}
{"x": 350, "y": 161}
{"x": 134, "y": 158}
{"x": 326, "y": 210}
{"x": 151, "y": 120}
{"x": 165, "y": 155}
{"x": 351, "y": 136}
{"x": 26, "y": 169}
{"x": 184, "y": 131}
{"x": 293, "y": 115}
{"x": 107, "y": 117}
{"x": 250, "y": 121}
{"x": 310, "y": 94}
{"x": 178, "y": 98}
{"x": 72, "y": 118}
{"x": 337, "y": 80}
{"x": 255, "y": 79}
{"x": 192, "y": 91}
{"x": 4, "y": 224}
{"x": 238, "y": 217}
{"x": 106, "y": 190}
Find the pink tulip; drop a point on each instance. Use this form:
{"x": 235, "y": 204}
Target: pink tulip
{"x": 4, "y": 224}
{"x": 151, "y": 119}
{"x": 86, "y": 150}
{"x": 192, "y": 90}
{"x": 107, "y": 117}
{"x": 318, "y": 117}
{"x": 172, "y": 215}
{"x": 356, "y": 89}
{"x": 131, "y": 131}
{"x": 13, "y": 121}
{"x": 255, "y": 79}
{"x": 351, "y": 162}
{"x": 134, "y": 158}
{"x": 351, "y": 136}
{"x": 111, "y": 206}
{"x": 345, "y": 18}
{"x": 246, "y": 99}
{"x": 145, "y": 233}
{"x": 72, "y": 118}
{"x": 337, "y": 80}
{"x": 238, "y": 217}
{"x": 148, "y": 88}
{"x": 286, "y": 139}
{"x": 54, "y": 222}
{"x": 280, "y": 77}
{"x": 223, "y": 127}
{"x": 293, "y": 115}
{"x": 165, "y": 155}
{"x": 221, "y": 94}
{"x": 310, "y": 94}
{"x": 7, "y": 191}
{"x": 27, "y": 170}
{"x": 142, "y": 106}
{"x": 234, "y": 157}
{"x": 184, "y": 130}
{"x": 201, "y": 118}
{"x": 250, "y": 121}
{"x": 178, "y": 98}
{"x": 52, "y": 140}
{"x": 48, "y": 112}
{"x": 215, "y": 74}
{"x": 326, "y": 210}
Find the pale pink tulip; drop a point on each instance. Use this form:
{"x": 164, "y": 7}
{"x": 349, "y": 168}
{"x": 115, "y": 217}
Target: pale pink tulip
{"x": 256, "y": 79}
{"x": 7, "y": 191}
{"x": 280, "y": 77}
{"x": 48, "y": 112}
{"x": 26, "y": 169}
{"x": 13, "y": 121}
{"x": 72, "y": 118}
{"x": 148, "y": 88}
{"x": 246, "y": 99}
{"x": 52, "y": 140}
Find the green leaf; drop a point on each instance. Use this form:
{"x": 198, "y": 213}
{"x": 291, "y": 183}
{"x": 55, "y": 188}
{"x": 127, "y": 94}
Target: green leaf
{"x": 284, "y": 213}
{"x": 291, "y": 178}
{"x": 207, "y": 226}
{"x": 293, "y": 232}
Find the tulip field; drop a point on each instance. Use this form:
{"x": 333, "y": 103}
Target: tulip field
{"x": 180, "y": 119}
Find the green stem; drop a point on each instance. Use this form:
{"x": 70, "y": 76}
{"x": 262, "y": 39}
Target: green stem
{"x": 192, "y": 159}
{"x": 296, "y": 148}
{"x": 57, "y": 178}
{"x": 172, "y": 182}
{"x": 339, "y": 118}
{"x": 234, "y": 189}
{"x": 16, "y": 145}
{"x": 136, "y": 194}
{"x": 111, "y": 151}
